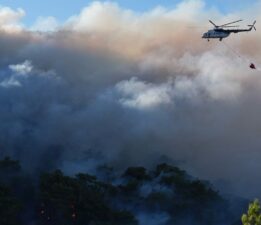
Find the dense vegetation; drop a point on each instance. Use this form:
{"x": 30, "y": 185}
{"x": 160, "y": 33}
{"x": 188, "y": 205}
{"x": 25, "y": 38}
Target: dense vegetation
{"x": 253, "y": 215}
{"x": 167, "y": 193}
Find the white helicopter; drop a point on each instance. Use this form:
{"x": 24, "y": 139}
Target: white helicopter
{"x": 219, "y": 32}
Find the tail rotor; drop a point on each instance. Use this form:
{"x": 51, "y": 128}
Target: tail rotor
{"x": 253, "y": 26}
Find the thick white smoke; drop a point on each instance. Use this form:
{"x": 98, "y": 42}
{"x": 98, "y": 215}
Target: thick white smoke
{"x": 124, "y": 88}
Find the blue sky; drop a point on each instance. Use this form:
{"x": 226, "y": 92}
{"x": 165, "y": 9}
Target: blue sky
{"x": 62, "y": 9}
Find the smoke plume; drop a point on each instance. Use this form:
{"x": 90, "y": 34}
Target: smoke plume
{"x": 114, "y": 86}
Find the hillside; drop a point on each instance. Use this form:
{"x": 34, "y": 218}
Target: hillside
{"x": 166, "y": 195}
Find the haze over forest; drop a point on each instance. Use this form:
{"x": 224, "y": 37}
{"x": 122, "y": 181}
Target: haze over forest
{"x": 123, "y": 88}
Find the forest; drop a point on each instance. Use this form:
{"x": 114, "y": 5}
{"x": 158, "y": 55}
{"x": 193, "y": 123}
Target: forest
{"x": 165, "y": 195}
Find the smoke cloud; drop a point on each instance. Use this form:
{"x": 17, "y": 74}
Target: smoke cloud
{"x": 118, "y": 87}
{"x": 10, "y": 19}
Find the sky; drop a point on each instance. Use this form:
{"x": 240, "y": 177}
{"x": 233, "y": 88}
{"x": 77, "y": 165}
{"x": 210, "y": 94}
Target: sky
{"x": 62, "y": 10}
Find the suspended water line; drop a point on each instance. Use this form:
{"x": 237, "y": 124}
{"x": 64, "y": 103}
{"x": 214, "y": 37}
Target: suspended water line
{"x": 251, "y": 65}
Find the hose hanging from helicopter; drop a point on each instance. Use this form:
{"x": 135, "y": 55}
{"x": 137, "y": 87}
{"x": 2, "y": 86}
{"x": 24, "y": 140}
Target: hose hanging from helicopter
{"x": 251, "y": 65}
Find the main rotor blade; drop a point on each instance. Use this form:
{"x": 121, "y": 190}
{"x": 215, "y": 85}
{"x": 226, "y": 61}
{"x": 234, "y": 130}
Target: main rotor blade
{"x": 231, "y": 23}
{"x": 228, "y": 26}
{"x": 213, "y": 23}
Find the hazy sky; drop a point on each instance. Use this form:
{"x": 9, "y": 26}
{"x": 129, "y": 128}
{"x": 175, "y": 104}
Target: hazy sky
{"x": 63, "y": 9}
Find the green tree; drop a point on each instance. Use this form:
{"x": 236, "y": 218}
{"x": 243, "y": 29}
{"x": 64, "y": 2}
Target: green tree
{"x": 9, "y": 166}
{"x": 253, "y": 216}
{"x": 9, "y": 207}
{"x": 78, "y": 200}
{"x": 138, "y": 173}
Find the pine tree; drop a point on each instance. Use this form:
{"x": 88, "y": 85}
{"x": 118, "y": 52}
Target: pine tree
{"x": 253, "y": 216}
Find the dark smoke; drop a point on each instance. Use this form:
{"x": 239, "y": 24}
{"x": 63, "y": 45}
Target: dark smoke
{"x": 118, "y": 88}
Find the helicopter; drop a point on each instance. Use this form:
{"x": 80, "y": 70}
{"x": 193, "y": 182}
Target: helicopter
{"x": 220, "y": 33}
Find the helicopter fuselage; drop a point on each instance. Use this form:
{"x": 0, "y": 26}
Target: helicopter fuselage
{"x": 216, "y": 33}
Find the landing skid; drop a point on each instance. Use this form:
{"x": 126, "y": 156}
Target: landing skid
{"x": 220, "y": 39}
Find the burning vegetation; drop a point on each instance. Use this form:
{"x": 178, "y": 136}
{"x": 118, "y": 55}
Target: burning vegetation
{"x": 55, "y": 198}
